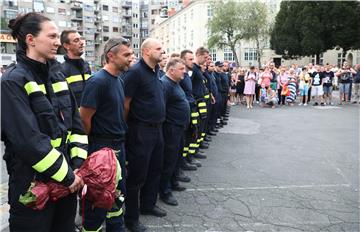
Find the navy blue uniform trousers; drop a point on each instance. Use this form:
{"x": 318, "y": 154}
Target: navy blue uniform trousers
{"x": 94, "y": 217}
{"x": 173, "y": 141}
{"x": 144, "y": 153}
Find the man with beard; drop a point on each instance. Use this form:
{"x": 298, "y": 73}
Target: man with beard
{"x": 75, "y": 69}
{"x": 145, "y": 113}
{"x": 102, "y": 114}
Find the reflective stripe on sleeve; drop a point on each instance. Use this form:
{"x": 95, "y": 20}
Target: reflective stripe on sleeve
{"x": 78, "y": 152}
{"x": 74, "y": 78}
{"x": 32, "y": 87}
{"x": 202, "y": 111}
{"x": 194, "y": 122}
{"x": 47, "y": 161}
{"x": 207, "y": 96}
{"x": 61, "y": 173}
{"x": 86, "y": 76}
{"x": 60, "y": 86}
{"x": 76, "y": 138}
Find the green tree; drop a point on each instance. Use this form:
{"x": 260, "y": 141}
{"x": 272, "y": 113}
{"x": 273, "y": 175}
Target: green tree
{"x": 312, "y": 27}
{"x": 257, "y": 26}
{"x": 225, "y": 26}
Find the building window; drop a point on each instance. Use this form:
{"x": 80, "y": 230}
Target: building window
{"x": 209, "y": 11}
{"x": 115, "y": 29}
{"x": 105, "y": 18}
{"x": 313, "y": 59}
{"x": 250, "y": 54}
{"x": 115, "y": 9}
{"x": 340, "y": 59}
{"x": 105, "y": 8}
{"x": 153, "y": 12}
{"x": 89, "y": 53}
{"x": 61, "y": 11}
{"x": 116, "y": 19}
{"x": 88, "y": 8}
{"x": 136, "y": 46}
{"x": 10, "y": 14}
{"x": 213, "y": 54}
{"x": 228, "y": 54}
{"x": 105, "y": 29}
{"x": 62, "y": 23}
{"x": 135, "y": 25}
{"x": 105, "y": 38}
{"x": 50, "y": 10}
{"x": 321, "y": 59}
{"x": 39, "y": 7}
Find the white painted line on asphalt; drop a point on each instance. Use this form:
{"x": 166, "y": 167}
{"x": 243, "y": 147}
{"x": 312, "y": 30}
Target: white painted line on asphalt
{"x": 170, "y": 226}
{"x": 271, "y": 187}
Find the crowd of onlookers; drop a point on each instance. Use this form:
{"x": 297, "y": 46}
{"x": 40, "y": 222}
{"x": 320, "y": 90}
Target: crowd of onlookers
{"x": 269, "y": 86}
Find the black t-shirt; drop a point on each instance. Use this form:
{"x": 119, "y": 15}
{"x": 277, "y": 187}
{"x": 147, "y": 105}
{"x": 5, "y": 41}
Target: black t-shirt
{"x": 145, "y": 89}
{"x": 177, "y": 107}
{"x": 316, "y": 78}
{"x": 328, "y": 78}
{"x": 345, "y": 77}
{"x": 105, "y": 93}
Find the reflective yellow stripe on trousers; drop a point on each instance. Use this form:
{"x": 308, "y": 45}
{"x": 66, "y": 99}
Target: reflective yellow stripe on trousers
{"x": 84, "y": 230}
{"x": 114, "y": 214}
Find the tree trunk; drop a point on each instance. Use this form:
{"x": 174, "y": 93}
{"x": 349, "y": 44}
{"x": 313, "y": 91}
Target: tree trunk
{"x": 258, "y": 53}
{"x": 232, "y": 47}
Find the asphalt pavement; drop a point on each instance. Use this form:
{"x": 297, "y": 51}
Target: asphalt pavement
{"x": 283, "y": 169}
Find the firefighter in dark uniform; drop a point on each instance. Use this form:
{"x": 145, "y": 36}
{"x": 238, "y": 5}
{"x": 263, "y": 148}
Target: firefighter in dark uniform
{"x": 177, "y": 119}
{"x": 40, "y": 126}
{"x": 224, "y": 95}
{"x": 145, "y": 111}
{"x": 191, "y": 133}
{"x": 75, "y": 69}
{"x": 215, "y": 95}
{"x": 200, "y": 92}
{"x": 102, "y": 113}
{"x": 219, "y": 103}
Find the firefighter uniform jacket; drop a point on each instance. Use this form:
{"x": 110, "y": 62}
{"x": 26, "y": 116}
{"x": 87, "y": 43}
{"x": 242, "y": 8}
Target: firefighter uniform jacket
{"x": 40, "y": 126}
{"x": 76, "y": 72}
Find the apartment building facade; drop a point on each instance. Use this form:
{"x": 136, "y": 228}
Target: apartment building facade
{"x": 95, "y": 20}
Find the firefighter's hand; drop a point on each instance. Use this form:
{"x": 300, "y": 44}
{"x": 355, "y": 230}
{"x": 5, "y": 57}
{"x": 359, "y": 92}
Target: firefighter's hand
{"x": 77, "y": 184}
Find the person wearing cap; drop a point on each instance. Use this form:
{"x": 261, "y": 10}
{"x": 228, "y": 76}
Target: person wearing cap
{"x": 102, "y": 114}
{"x": 145, "y": 113}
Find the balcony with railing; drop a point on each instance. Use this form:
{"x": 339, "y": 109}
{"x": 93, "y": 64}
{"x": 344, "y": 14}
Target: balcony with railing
{"x": 126, "y": 4}
{"x": 76, "y": 16}
{"x": 76, "y": 6}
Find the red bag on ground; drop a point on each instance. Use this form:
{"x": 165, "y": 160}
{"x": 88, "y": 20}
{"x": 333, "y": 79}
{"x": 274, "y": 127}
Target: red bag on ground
{"x": 100, "y": 172}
